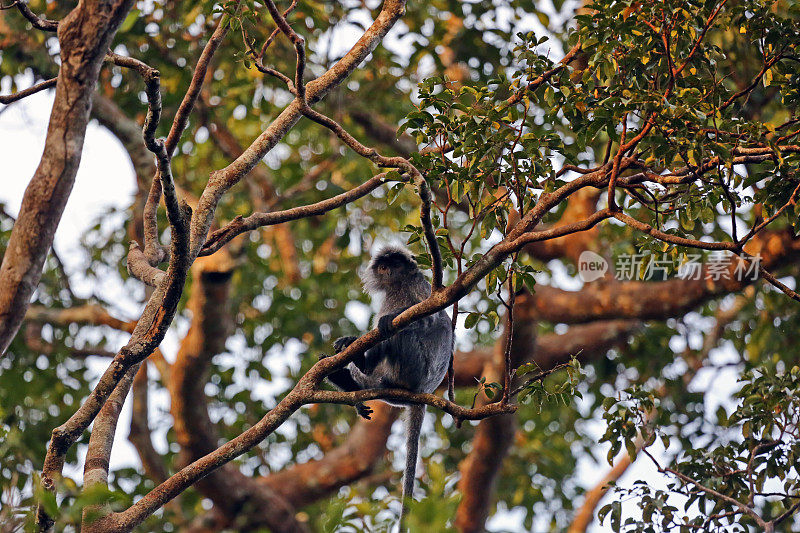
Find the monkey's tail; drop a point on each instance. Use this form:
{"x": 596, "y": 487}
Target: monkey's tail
{"x": 415, "y": 414}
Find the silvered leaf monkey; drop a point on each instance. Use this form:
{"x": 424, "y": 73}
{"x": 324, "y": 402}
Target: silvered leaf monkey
{"x": 414, "y": 358}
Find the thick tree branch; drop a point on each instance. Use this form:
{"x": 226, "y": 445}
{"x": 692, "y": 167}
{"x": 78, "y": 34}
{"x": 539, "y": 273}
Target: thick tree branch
{"x": 140, "y": 268}
{"x": 98, "y": 455}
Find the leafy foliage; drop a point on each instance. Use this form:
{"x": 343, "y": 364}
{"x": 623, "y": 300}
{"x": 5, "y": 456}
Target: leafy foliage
{"x": 520, "y": 126}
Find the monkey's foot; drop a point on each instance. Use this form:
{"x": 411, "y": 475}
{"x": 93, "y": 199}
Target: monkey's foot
{"x": 363, "y": 411}
{"x": 342, "y": 342}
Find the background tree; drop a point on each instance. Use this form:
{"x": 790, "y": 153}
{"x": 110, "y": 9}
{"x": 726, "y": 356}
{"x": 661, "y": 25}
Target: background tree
{"x": 503, "y": 141}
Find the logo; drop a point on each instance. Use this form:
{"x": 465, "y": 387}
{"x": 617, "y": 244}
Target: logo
{"x": 591, "y": 266}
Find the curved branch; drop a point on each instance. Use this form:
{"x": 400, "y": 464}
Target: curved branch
{"x": 221, "y": 181}
{"x": 36, "y": 21}
{"x": 140, "y": 268}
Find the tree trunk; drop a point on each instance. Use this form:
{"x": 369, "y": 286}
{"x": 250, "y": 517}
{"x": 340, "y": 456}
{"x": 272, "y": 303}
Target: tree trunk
{"x": 84, "y": 37}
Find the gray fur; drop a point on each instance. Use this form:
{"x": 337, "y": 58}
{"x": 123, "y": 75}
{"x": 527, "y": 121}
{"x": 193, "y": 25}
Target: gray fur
{"x": 414, "y": 358}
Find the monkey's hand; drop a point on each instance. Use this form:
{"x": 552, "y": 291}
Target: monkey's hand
{"x": 385, "y": 323}
{"x": 342, "y": 342}
{"x": 363, "y": 411}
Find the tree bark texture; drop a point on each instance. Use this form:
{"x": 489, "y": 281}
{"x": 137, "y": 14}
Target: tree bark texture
{"x": 84, "y": 37}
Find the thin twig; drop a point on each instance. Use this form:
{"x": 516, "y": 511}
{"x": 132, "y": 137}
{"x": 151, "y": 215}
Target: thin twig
{"x": 41, "y": 86}
{"x": 299, "y": 47}
{"x": 239, "y": 225}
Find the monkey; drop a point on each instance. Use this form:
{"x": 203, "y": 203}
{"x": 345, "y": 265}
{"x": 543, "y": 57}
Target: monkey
{"x": 414, "y": 358}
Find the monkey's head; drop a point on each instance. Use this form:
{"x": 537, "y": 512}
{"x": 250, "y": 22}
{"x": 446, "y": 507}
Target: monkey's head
{"x": 392, "y": 268}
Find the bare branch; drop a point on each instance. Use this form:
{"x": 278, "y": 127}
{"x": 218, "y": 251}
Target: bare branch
{"x": 222, "y": 180}
{"x": 41, "y": 86}
{"x": 155, "y": 254}
{"x": 139, "y": 267}
{"x": 98, "y": 455}
{"x": 37, "y": 22}
{"x": 299, "y": 47}
{"x": 239, "y": 225}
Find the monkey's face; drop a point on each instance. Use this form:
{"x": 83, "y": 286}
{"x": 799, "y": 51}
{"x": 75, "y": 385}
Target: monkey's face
{"x": 391, "y": 270}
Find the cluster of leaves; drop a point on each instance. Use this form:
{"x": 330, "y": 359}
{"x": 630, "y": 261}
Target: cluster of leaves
{"x": 751, "y": 459}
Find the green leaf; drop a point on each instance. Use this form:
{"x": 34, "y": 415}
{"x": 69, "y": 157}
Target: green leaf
{"x": 471, "y": 320}
{"x": 129, "y": 21}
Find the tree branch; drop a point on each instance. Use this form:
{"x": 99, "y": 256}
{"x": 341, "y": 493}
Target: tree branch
{"x": 41, "y": 86}
{"x": 36, "y": 21}
{"x": 239, "y": 225}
